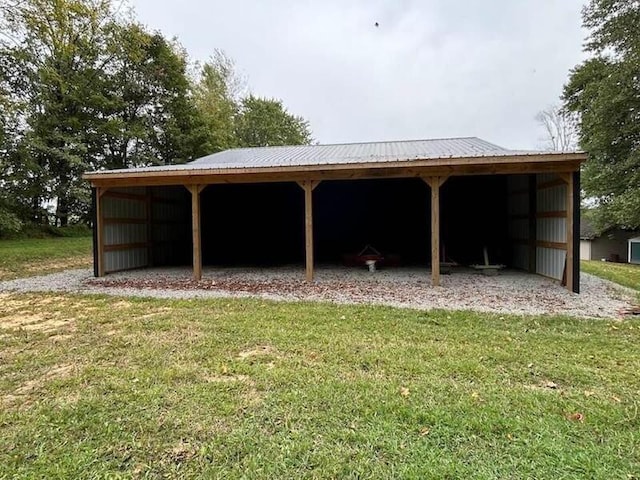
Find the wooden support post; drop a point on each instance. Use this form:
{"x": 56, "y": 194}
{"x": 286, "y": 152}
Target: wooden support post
{"x": 308, "y": 186}
{"x": 570, "y": 242}
{"x": 100, "y": 228}
{"x": 435, "y": 183}
{"x": 195, "y": 230}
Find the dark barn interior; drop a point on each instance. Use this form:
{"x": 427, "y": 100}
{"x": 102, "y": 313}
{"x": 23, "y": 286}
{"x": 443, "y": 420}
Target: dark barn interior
{"x": 263, "y": 224}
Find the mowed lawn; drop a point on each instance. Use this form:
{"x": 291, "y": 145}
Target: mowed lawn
{"x": 36, "y": 256}
{"x": 97, "y": 387}
{"x": 622, "y": 273}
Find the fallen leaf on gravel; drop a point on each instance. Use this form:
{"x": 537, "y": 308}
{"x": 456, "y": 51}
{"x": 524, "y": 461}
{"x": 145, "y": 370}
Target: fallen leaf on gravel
{"x": 404, "y": 391}
{"x": 576, "y": 417}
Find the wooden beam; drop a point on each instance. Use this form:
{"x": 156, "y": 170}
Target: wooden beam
{"x": 308, "y": 186}
{"x": 435, "y": 183}
{"x": 195, "y": 231}
{"x": 569, "y": 222}
{"x": 551, "y": 245}
{"x": 100, "y": 229}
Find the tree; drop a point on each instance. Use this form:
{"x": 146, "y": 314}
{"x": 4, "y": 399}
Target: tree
{"x": 604, "y": 92}
{"x": 92, "y": 91}
{"x": 560, "y": 127}
{"x": 150, "y": 117}
{"x": 264, "y": 122}
{"x": 52, "y": 49}
{"x": 217, "y": 92}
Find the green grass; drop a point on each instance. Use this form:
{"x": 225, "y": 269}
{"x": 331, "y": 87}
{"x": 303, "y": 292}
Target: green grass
{"x": 624, "y": 274}
{"x": 96, "y": 387}
{"x": 34, "y": 256}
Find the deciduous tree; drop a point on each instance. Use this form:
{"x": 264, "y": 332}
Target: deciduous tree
{"x": 605, "y": 93}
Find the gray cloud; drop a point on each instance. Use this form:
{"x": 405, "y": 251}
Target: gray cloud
{"x": 436, "y": 68}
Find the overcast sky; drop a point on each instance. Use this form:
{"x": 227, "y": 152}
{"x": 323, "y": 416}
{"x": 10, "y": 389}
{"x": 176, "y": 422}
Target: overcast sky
{"x": 432, "y": 69}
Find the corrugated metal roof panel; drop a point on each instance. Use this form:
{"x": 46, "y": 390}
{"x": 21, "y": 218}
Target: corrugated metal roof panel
{"x": 349, "y": 153}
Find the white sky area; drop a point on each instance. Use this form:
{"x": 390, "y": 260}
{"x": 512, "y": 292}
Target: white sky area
{"x": 432, "y": 69}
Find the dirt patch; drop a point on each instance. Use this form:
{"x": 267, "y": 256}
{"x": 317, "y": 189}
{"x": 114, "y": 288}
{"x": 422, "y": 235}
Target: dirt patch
{"x": 33, "y": 322}
{"x": 226, "y": 378}
{"x": 61, "y": 264}
{"x": 257, "y": 352}
{"x": 54, "y": 373}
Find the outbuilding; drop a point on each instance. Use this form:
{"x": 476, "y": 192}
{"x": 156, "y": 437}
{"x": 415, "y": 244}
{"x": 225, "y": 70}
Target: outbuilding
{"x": 419, "y": 202}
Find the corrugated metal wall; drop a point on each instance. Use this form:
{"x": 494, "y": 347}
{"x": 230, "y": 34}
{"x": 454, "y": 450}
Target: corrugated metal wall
{"x": 549, "y": 208}
{"x": 518, "y": 192}
{"x": 125, "y": 229}
{"x": 171, "y": 224}
{"x": 141, "y": 226}
{"x": 551, "y": 232}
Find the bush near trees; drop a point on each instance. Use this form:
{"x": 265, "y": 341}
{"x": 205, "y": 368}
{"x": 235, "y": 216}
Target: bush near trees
{"x": 83, "y": 87}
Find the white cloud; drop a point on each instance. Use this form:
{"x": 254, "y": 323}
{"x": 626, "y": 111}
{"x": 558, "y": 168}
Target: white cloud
{"x": 434, "y": 68}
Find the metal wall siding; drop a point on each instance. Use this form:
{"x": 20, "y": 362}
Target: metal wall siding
{"x": 521, "y": 256}
{"x": 552, "y": 230}
{"x": 519, "y": 229}
{"x": 117, "y": 234}
{"x": 123, "y": 208}
{"x": 552, "y": 199}
{"x": 550, "y": 262}
{"x": 125, "y": 259}
{"x": 518, "y": 205}
{"x": 517, "y": 182}
{"x": 125, "y": 233}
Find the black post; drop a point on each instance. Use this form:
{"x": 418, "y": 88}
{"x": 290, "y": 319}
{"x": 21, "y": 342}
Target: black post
{"x": 94, "y": 227}
{"x": 575, "y": 178}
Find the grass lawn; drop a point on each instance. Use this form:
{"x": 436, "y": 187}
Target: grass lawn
{"x": 622, "y": 273}
{"x": 35, "y": 256}
{"x": 129, "y": 388}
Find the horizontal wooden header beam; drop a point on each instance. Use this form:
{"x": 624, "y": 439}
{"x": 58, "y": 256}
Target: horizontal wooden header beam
{"x": 410, "y": 170}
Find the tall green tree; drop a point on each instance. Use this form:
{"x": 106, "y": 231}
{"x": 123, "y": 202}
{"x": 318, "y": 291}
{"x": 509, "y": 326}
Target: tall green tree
{"x": 150, "y": 117}
{"x": 605, "y": 93}
{"x": 217, "y": 91}
{"x": 54, "y": 49}
{"x": 265, "y": 122}
{"x": 92, "y": 91}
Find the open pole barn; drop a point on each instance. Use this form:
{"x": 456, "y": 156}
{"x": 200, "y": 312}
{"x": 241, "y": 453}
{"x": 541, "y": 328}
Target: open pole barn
{"x": 421, "y": 202}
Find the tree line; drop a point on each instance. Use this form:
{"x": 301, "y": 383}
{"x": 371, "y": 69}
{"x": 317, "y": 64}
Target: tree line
{"x": 84, "y": 87}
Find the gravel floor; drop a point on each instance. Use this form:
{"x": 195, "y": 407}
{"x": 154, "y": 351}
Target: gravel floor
{"x": 510, "y": 292}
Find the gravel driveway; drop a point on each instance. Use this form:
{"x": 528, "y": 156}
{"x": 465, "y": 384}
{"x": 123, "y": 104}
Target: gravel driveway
{"x": 509, "y": 292}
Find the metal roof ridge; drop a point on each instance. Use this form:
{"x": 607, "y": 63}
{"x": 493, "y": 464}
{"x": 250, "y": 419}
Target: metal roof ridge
{"x": 376, "y": 142}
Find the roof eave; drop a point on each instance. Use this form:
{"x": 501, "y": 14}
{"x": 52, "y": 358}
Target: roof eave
{"x": 284, "y": 170}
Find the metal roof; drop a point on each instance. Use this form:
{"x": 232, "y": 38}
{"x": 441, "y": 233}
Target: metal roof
{"x": 341, "y": 154}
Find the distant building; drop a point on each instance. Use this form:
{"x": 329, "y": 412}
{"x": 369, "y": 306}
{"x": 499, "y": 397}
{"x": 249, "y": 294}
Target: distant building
{"x": 611, "y": 244}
